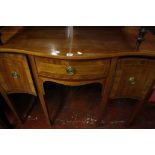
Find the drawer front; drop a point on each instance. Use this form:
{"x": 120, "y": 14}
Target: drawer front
{"x": 72, "y": 69}
{"x": 15, "y": 74}
{"x": 133, "y": 78}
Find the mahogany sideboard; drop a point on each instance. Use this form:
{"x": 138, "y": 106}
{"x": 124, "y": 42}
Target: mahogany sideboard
{"x": 104, "y": 55}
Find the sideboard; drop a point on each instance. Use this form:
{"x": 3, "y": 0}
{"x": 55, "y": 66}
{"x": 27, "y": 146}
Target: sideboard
{"x": 105, "y": 55}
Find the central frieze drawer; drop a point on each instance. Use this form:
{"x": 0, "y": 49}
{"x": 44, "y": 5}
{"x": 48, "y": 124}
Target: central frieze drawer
{"x": 72, "y": 69}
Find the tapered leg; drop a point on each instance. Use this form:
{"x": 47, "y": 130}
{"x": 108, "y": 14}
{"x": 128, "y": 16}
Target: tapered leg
{"x": 135, "y": 112}
{"x": 7, "y": 100}
{"x": 106, "y": 88}
{"x": 39, "y": 86}
{"x": 4, "y": 121}
{"x": 42, "y": 100}
{"x": 140, "y": 104}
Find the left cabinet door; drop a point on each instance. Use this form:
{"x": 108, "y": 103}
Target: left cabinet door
{"x": 15, "y": 76}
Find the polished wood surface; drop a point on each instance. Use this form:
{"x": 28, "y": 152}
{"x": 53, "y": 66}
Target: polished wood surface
{"x": 142, "y": 70}
{"x": 104, "y": 55}
{"x": 92, "y": 42}
{"x": 16, "y": 64}
{"x": 82, "y": 69}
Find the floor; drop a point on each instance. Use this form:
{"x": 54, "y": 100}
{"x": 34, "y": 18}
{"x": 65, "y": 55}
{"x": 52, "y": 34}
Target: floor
{"x": 76, "y": 108}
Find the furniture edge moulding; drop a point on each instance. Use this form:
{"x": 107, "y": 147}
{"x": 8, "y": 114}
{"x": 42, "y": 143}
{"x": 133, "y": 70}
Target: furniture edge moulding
{"x": 101, "y": 55}
{"x": 72, "y": 83}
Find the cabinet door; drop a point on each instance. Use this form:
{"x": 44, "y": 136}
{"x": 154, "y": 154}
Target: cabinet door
{"x": 15, "y": 75}
{"x": 133, "y": 77}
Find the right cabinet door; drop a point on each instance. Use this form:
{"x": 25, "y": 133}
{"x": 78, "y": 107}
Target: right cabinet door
{"x": 133, "y": 77}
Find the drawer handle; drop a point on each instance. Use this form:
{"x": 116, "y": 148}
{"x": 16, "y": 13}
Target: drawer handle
{"x": 70, "y": 70}
{"x": 15, "y": 75}
{"x": 132, "y": 80}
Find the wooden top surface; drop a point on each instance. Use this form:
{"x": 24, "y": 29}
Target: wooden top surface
{"x": 88, "y": 42}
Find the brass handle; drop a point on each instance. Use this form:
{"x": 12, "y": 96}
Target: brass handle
{"x": 70, "y": 70}
{"x": 15, "y": 75}
{"x": 132, "y": 80}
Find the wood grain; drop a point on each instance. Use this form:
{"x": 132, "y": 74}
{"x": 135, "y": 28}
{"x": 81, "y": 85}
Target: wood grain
{"x": 103, "y": 55}
{"x": 84, "y": 69}
{"x": 142, "y": 69}
{"x": 92, "y": 42}
{"x": 10, "y": 63}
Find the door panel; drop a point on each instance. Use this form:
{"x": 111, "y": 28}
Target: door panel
{"x": 15, "y": 75}
{"x": 133, "y": 78}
